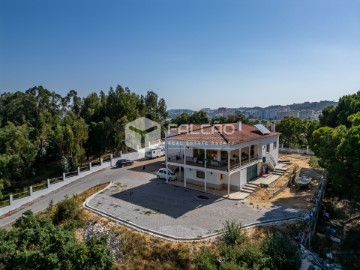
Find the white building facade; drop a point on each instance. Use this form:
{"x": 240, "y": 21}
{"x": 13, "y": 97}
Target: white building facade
{"x": 223, "y": 156}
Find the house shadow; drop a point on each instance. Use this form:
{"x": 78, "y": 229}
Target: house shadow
{"x": 144, "y": 165}
{"x": 166, "y": 199}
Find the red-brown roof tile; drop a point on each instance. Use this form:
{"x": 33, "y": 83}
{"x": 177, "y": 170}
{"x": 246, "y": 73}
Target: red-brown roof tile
{"x": 222, "y": 134}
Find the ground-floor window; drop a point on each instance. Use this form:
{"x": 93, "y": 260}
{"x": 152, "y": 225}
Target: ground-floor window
{"x": 200, "y": 174}
{"x": 251, "y": 172}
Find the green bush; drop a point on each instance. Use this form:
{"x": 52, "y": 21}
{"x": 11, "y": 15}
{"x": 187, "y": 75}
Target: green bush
{"x": 36, "y": 243}
{"x": 245, "y": 256}
{"x": 72, "y": 225}
{"x": 283, "y": 252}
{"x": 232, "y": 233}
{"x": 68, "y": 209}
{"x": 205, "y": 260}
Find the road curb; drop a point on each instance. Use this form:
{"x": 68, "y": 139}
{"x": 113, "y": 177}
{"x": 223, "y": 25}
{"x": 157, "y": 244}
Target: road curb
{"x": 136, "y": 227}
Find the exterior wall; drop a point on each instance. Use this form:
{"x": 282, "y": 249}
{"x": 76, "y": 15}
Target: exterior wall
{"x": 235, "y": 181}
{"x": 213, "y": 180}
{"x": 189, "y": 152}
{"x": 259, "y": 169}
{"x": 243, "y": 176}
{"x": 274, "y": 151}
{"x": 173, "y": 150}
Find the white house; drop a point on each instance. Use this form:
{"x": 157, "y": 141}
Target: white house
{"x": 221, "y": 156}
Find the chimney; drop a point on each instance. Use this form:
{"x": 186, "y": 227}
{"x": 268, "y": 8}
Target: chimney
{"x": 239, "y": 125}
{"x": 272, "y": 127}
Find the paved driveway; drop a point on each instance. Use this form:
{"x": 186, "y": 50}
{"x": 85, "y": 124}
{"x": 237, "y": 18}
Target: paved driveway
{"x": 150, "y": 203}
{"x": 81, "y": 185}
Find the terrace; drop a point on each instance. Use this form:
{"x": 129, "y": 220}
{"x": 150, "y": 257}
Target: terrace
{"x": 214, "y": 159}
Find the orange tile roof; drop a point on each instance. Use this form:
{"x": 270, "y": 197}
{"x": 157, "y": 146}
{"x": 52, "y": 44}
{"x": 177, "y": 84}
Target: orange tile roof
{"x": 222, "y": 134}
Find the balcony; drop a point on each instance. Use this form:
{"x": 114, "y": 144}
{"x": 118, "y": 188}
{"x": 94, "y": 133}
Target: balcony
{"x": 219, "y": 165}
{"x": 176, "y": 159}
{"x": 193, "y": 161}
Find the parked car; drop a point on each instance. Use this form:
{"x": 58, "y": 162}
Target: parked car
{"x": 163, "y": 172}
{"x": 124, "y": 162}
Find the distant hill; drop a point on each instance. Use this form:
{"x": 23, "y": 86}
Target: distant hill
{"x": 175, "y": 112}
{"x": 260, "y": 112}
{"x": 316, "y": 106}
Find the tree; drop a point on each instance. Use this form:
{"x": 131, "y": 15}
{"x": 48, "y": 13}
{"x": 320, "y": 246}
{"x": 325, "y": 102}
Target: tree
{"x": 291, "y": 129}
{"x": 199, "y": 117}
{"x": 155, "y": 109}
{"x": 35, "y": 243}
{"x": 339, "y": 115}
{"x": 39, "y": 125}
{"x": 237, "y": 117}
{"x": 296, "y": 132}
{"x": 337, "y": 144}
{"x": 183, "y": 118}
{"x": 17, "y": 152}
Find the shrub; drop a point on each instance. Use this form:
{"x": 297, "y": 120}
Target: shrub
{"x": 68, "y": 209}
{"x": 36, "y": 243}
{"x": 283, "y": 253}
{"x": 232, "y": 233}
{"x": 351, "y": 248}
{"x": 205, "y": 260}
{"x": 246, "y": 256}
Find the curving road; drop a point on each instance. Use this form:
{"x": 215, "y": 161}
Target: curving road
{"x": 77, "y": 187}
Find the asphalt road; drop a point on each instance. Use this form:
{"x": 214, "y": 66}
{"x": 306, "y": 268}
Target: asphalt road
{"x": 77, "y": 187}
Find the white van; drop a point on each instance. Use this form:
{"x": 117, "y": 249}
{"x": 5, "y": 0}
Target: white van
{"x": 155, "y": 153}
{"x": 162, "y": 174}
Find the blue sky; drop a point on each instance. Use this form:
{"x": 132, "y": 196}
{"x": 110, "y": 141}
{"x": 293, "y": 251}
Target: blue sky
{"x": 195, "y": 54}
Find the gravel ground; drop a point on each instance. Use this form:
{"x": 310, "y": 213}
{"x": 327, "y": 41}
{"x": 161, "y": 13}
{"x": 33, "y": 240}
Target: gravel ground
{"x": 176, "y": 211}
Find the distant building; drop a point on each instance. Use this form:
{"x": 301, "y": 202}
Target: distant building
{"x": 306, "y": 114}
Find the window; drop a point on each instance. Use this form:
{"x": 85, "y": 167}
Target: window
{"x": 200, "y": 174}
{"x": 275, "y": 145}
{"x": 268, "y": 148}
{"x": 221, "y": 177}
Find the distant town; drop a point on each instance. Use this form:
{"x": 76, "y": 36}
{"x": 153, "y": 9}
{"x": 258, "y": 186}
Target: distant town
{"x": 304, "y": 110}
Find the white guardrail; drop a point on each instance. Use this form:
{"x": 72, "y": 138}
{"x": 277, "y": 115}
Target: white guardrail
{"x": 68, "y": 178}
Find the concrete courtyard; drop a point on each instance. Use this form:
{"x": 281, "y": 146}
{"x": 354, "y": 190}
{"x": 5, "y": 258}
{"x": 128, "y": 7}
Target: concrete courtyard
{"x": 143, "y": 201}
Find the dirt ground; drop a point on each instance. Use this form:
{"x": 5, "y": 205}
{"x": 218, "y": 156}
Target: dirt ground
{"x": 290, "y": 197}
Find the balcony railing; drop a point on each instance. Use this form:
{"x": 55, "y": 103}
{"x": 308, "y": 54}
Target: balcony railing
{"x": 176, "y": 159}
{"x": 211, "y": 163}
{"x": 199, "y": 162}
{"x": 247, "y": 160}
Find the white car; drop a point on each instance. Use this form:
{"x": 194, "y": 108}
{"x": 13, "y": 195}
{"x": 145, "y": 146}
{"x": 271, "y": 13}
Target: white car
{"x": 162, "y": 174}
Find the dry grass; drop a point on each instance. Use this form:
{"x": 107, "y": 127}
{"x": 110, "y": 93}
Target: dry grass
{"x": 143, "y": 251}
{"x": 83, "y": 196}
{"x": 289, "y": 197}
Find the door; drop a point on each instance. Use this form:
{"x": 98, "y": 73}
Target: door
{"x": 251, "y": 172}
